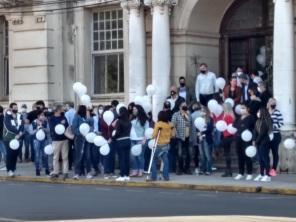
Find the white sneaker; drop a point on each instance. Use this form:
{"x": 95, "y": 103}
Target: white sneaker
{"x": 249, "y": 177}
{"x": 266, "y": 179}
{"x": 3, "y": 169}
{"x": 258, "y": 178}
{"x": 214, "y": 168}
{"x": 120, "y": 179}
{"x": 238, "y": 177}
{"x": 196, "y": 171}
{"x": 76, "y": 177}
{"x": 89, "y": 176}
{"x": 10, "y": 173}
{"x": 127, "y": 178}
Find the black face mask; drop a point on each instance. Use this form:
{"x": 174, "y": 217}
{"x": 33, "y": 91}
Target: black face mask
{"x": 14, "y": 111}
{"x": 203, "y": 71}
{"x": 182, "y": 84}
{"x": 185, "y": 108}
{"x": 173, "y": 93}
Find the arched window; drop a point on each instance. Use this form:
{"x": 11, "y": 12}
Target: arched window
{"x": 246, "y": 36}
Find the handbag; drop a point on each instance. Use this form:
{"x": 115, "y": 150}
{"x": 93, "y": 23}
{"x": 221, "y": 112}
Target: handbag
{"x": 69, "y": 133}
{"x": 8, "y": 135}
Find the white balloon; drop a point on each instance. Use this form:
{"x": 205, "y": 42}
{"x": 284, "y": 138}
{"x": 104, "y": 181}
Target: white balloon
{"x": 147, "y": 107}
{"x": 138, "y": 100}
{"x": 150, "y": 90}
{"x": 212, "y": 105}
{"x": 148, "y": 133}
{"x": 90, "y": 137}
{"x": 85, "y": 100}
{"x": 136, "y": 150}
{"x": 48, "y": 150}
{"x": 238, "y": 109}
{"x": 251, "y": 151}
{"x": 40, "y": 135}
{"x": 59, "y": 129}
{"x": 261, "y": 59}
{"x": 247, "y": 136}
{"x": 105, "y": 149}
{"x": 230, "y": 101}
{"x": 84, "y": 129}
{"x": 108, "y": 117}
{"x": 289, "y": 143}
{"x": 221, "y": 125}
{"x": 200, "y": 123}
{"x": 100, "y": 141}
{"x": 14, "y": 144}
{"x": 76, "y": 86}
{"x": 82, "y": 90}
{"x": 151, "y": 143}
{"x": 218, "y": 110}
{"x": 120, "y": 105}
{"x": 220, "y": 82}
{"x": 231, "y": 129}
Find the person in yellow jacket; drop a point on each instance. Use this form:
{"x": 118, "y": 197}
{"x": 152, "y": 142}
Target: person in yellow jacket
{"x": 165, "y": 130}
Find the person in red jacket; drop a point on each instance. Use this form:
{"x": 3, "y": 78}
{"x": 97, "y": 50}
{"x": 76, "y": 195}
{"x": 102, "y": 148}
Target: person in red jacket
{"x": 227, "y": 138}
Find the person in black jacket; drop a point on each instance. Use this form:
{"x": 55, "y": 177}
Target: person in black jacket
{"x": 175, "y": 100}
{"x": 261, "y": 140}
{"x": 123, "y": 143}
{"x": 13, "y": 129}
{"x": 245, "y": 122}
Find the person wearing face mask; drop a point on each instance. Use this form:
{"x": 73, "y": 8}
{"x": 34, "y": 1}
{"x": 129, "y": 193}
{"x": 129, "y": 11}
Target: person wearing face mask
{"x": 205, "y": 86}
{"x": 59, "y": 143}
{"x": 70, "y": 113}
{"x": 12, "y": 129}
{"x": 246, "y": 84}
{"x": 40, "y": 158}
{"x": 277, "y": 122}
{"x": 261, "y": 140}
{"x": 181, "y": 121}
{"x": 245, "y": 122}
{"x": 196, "y": 113}
{"x": 25, "y": 139}
{"x": 184, "y": 91}
{"x": 139, "y": 126}
{"x": 264, "y": 94}
{"x": 175, "y": 99}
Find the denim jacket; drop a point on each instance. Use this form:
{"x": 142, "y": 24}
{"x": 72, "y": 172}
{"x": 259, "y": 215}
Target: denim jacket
{"x": 138, "y": 131}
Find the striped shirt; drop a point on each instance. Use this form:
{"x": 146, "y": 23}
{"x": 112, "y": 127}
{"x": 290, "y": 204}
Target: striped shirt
{"x": 277, "y": 120}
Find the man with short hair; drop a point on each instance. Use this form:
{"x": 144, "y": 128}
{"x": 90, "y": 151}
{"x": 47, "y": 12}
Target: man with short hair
{"x": 184, "y": 91}
{"x": 205, "y": 86}
{"x": 246, "y": 84}
{"x": 181, "y": 121}
{"x": 59, "y": 143}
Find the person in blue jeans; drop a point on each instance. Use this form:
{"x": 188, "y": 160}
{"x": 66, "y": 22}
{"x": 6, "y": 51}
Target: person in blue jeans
{"x": 123, "y": 143}
{"x": 205, "y": 139}
{"x": 163, "y": 134}
{"x": 139, "y": 126}
{"x": 41, "y": 159}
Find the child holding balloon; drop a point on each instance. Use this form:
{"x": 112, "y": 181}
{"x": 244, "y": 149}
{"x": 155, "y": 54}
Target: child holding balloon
{"x": 245, "y": 122}
{"x": 40, "y": 130}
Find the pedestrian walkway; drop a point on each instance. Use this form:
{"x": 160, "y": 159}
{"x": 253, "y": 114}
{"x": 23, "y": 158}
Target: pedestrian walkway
{"x": 282, "y": 184}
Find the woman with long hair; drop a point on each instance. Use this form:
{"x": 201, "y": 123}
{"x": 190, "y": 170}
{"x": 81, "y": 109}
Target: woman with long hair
{"x": 123, "y": 143}
{"x": 229, "y": 118}
{"x": 261, "y": 140}
{"x": 139, "y": 126}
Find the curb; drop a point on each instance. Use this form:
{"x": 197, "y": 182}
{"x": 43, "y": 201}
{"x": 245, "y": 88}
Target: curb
{"x": 160, "y": 185}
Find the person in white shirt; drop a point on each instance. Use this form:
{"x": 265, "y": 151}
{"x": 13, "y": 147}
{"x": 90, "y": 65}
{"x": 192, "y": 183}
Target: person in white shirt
{"x": 205, "y": 86}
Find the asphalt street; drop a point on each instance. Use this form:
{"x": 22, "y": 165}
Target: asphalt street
{"x": 32, "y": 201}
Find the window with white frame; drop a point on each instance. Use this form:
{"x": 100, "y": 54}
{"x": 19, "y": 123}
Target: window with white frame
{"x": 107, "y": 50}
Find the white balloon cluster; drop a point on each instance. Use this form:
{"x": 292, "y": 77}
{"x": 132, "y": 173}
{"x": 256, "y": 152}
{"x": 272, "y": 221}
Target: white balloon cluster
{"x": 145, "y": 101}
{"x": 215, "y": 107}
{"x": 200, "y": 124}
{"x": 81, "y": 91}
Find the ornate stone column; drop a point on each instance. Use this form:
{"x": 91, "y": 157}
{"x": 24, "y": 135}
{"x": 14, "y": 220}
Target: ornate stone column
{"x": 283, "y": 61}
{"x": 136, "y": 48}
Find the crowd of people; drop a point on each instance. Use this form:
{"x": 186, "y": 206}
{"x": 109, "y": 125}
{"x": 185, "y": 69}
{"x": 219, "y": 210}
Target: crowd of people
{"x": 180, "y": 146}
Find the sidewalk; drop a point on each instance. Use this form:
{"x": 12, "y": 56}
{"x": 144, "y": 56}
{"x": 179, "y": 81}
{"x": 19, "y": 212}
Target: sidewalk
{"x": 282, "y": 184}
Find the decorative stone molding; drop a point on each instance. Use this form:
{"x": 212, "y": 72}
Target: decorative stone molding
{"x": 160, "y": 2}
{"x": 17, "y": 20}
{"x": 132, "y": 4}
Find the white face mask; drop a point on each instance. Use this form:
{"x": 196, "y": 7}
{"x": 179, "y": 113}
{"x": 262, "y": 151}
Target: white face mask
{"x": 101, "y": 111}
{"x": 239, "y": 73}
{"x": 24, "y": 110}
